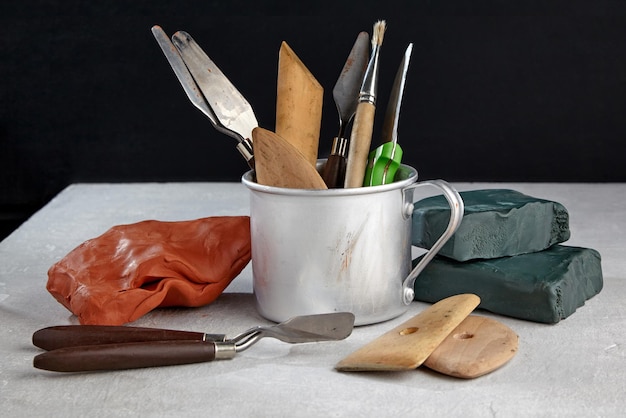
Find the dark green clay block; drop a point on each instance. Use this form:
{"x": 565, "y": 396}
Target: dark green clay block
{"x": 496, "y": 223}
{"x": 546, "y": 286}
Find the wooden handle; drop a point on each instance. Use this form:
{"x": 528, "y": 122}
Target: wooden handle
{"x": 360, "y": 142}
{"x": 299, "y": 98}
{"x": 52, "y": 338}
{"x": 334, "y": 171}
{"x": 125, "y": 356}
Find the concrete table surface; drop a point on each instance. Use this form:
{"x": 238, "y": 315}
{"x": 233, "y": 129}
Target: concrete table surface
{"x": 574, "y": 368}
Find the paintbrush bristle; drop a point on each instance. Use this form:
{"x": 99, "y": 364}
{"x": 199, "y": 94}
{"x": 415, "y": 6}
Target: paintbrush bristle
{"x": 378, "y": 33}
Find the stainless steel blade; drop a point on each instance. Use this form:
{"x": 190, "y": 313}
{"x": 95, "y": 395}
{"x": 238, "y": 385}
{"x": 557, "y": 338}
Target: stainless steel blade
{"x": 392, "y": 114}
{"x": 309, "y": 328}
{"x": 182, "y": 73}
{"x": 346, "y": 90}
{"x": 301, "y": 329}
{"x": 232, "y": 110}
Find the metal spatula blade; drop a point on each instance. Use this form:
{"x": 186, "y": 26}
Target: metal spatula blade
{"x": 195, "y": 95}
{"x": 182, "y": 73}
{"x": 231, "y": 109}
{"x": 304, "y": 329}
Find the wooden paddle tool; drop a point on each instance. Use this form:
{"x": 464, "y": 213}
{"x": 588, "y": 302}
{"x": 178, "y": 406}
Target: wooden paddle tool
{"x": 408, "y": 345}
{"x": 280, "y": 164}
{"x": 476, "y": 347}
{"x": 460, "y": 345}
{"x": 299, "y": 98}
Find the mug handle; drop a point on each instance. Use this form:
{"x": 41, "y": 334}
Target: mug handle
{"x": 456, "y": 215}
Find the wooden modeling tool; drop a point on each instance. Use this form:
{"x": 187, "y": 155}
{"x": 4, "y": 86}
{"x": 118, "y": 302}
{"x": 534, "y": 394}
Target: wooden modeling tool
{"x": 408, "y": 345}
{"x": 299, "y": 98}
{"x": 278, "y": 163}
{"x": 476, "y": 347}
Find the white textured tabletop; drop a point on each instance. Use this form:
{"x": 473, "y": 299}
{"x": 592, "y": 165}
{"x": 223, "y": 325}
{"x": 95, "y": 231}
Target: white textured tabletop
{"x": 574, "y": 368}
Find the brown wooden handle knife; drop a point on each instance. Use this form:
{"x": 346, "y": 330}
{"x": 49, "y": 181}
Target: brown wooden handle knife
{"x": 64, "y": 336}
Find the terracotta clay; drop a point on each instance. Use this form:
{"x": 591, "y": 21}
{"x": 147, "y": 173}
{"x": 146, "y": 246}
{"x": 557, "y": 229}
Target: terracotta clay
{"x": 132, "y": 269}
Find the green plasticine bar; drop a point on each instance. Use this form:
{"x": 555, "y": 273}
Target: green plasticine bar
{"x": 496, "y": 223}
{"x": 545, "y": 286}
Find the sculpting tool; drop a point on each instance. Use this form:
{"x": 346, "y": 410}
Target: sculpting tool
{"x": 362, "y": 127}
{"x": 476, "y": 347}
{"x": 280, "y": 164}
{"x": 346, "y": 95}
{"x": 408, "y": 345}
{"x": 232, "y": 111}
{"x": 244, "y": 146}
{"x": 127, "y": 352}
{"x": 299, "y": 99}
{"x": 384, "y": 161}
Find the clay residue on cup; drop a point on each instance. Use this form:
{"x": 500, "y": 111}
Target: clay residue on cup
{"x": 345, "y": 246}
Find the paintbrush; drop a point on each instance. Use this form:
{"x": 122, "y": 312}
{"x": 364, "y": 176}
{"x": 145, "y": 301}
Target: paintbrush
{"x": 363, "y": 124}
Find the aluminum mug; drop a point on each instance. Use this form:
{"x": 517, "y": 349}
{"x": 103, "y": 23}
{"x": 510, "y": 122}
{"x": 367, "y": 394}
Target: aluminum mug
{"x": 320, "y": 251}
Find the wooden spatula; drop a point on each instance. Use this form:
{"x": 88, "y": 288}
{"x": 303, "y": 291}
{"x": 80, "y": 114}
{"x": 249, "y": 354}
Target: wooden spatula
{"x": 476, "y": 347}
{"x": 299, "y": 98}
{"x": 407, "y": 346}
{"x": 280, "y": 164}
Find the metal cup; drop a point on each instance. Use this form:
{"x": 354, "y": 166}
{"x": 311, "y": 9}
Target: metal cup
{"x": 320, "y": 251}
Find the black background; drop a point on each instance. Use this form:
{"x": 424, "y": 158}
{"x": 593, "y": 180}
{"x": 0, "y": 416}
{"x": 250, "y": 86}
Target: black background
{"x": 87, "y": 96}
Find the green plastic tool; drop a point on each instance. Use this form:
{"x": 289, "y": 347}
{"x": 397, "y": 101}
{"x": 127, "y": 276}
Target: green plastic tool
{"x": 384, "y": 161}
{"x": 382, "y": 164}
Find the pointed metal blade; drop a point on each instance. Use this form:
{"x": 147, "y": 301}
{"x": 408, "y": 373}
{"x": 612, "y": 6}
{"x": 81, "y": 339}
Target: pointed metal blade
{"x": 390, "y": 125}
{"x": 229, "y": 106}
{"x": 346, "y": 90}
{"x": 182, "y": 73}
